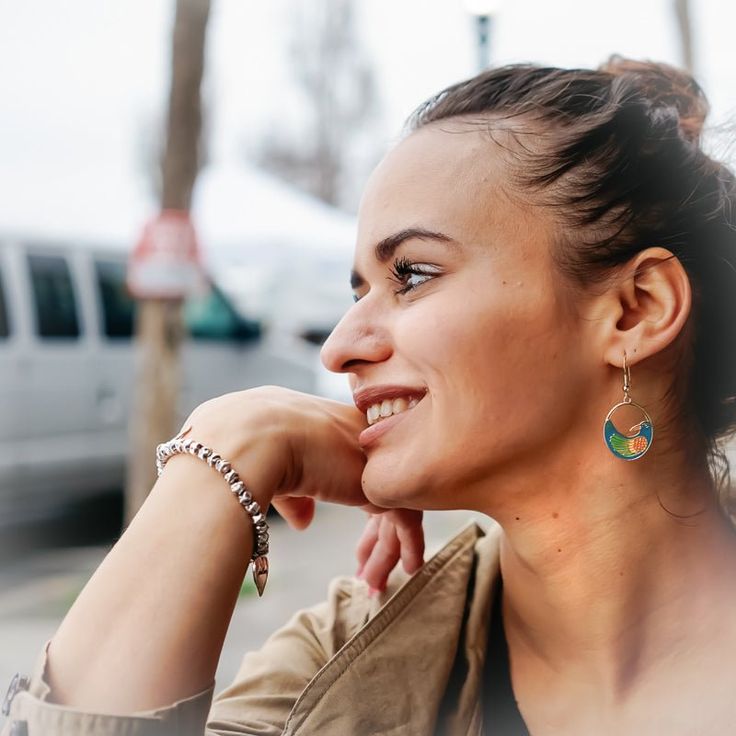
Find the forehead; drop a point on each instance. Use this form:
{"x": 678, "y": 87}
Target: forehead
{"x": 444, "y": 177}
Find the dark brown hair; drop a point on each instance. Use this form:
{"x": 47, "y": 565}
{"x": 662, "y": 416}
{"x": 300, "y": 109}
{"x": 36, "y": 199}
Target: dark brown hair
{"x": 615, "y": 153}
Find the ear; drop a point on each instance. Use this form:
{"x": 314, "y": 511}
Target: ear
{"x": 646, "y": 306}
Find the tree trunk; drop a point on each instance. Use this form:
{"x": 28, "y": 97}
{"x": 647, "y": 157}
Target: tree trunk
{"x": 685, "y": 28}
{"x": 159, "y": 321}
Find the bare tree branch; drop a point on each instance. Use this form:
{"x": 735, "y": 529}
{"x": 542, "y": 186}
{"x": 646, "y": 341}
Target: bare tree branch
{"x": 337, "y": 81}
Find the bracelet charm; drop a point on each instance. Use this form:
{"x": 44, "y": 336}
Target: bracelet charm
{"x": 179, "y": 445}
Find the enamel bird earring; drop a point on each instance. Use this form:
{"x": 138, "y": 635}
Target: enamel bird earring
{"x": 628, "y": 446}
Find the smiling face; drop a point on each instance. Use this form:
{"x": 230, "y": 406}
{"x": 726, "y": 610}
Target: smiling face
{"x": 462, "y": 328}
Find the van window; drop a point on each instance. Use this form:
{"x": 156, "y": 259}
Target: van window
{"x": 53, "y": 295}
{"x": 4, "y": 327}
{"x": 118, "y": 307}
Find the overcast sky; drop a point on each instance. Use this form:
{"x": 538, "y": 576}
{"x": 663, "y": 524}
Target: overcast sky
{"x": 82, "y": 81}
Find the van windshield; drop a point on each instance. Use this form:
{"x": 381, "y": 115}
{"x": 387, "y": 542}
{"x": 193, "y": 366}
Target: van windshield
{"x": 210, "y": 316}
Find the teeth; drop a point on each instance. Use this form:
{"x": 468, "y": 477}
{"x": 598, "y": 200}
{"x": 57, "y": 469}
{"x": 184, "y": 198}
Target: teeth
{"x": 389, "y": 407}
{"x": 399, "y": 405}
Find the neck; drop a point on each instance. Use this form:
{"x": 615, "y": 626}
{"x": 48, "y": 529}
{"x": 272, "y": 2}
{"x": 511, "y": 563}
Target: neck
{"x": 607, "y": 573}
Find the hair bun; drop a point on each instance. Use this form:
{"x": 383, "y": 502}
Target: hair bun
{"x": 666, "y": 87}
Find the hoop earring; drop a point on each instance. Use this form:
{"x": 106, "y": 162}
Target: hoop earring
{"x": 628, "y": 446}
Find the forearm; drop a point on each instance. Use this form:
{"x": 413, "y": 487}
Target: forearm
{"x": 149, "y": 626}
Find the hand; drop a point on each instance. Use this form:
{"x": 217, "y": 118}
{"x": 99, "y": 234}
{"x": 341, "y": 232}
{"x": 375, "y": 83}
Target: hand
{"x": 388, "y": 537}
{"x": 290, "y": 448}
{"x": 308, "y": 448}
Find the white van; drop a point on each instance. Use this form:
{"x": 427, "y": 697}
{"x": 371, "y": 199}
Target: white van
{"x": 67, "y": 369}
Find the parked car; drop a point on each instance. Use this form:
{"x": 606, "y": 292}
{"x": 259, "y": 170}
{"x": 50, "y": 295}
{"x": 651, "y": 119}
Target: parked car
{"x": 67, "y": 365}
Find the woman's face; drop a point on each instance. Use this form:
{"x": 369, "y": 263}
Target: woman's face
{"x": 461, "y": 325}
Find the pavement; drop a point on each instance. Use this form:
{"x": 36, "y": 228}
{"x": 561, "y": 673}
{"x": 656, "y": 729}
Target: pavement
{"x": 37, "y": 589}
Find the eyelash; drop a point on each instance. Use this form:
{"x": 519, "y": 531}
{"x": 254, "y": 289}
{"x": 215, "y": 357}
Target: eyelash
{"x": 402, "y": 268}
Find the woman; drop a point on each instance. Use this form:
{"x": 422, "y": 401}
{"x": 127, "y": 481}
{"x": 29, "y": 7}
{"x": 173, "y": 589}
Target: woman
{"x": 544, "y": 246}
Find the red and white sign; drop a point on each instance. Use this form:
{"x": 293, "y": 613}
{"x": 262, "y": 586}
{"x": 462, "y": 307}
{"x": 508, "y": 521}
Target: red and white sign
{"x": 166, "y": 263}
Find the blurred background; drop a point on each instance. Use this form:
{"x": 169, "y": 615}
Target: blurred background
{"x": 179, "y": 184}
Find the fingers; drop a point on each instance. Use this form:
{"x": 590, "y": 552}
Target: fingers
{"x": 411, "y": 539}
{"x": 387, "y": 538}
{"x": 367, "y": 542}
{"x": 384, "y": 555}
{"x": 298, "y": 512}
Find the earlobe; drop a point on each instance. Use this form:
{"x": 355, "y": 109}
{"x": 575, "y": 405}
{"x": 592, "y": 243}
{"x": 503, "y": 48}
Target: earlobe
{"x": 653, "y": 298}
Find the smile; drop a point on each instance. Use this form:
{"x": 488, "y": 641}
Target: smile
{"x": 388, "y": 407}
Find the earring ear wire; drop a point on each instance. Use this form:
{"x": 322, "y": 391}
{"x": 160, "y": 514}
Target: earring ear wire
{"x": 627, "y": 381}
{"x": 628, "y": 446}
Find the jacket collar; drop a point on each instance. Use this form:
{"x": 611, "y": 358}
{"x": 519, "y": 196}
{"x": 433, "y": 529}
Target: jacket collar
{"x": 416, "y": 666}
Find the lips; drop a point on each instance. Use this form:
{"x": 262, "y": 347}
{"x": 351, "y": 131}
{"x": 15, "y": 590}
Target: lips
{"x": 372, "y": 395}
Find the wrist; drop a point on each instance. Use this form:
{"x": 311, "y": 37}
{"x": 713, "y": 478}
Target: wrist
{"x": 181, "y": 445}
{"x": 257, "y": 452}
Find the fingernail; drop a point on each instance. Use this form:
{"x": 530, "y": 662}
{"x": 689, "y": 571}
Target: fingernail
{"x": 359, "y": 572}
{"x": 372, "y": 592}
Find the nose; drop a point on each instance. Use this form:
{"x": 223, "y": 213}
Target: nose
{"x": 359, "y": 338}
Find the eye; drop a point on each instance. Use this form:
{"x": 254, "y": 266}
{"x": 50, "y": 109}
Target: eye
{"x": 409, "y": 275}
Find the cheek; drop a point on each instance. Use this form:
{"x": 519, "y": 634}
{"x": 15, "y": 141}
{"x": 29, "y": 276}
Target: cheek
{"x": 490, "y": 371}
{"x": 495, "y": 378}
{"x": 516, "y": 350}
{"x": 481, "y": 351}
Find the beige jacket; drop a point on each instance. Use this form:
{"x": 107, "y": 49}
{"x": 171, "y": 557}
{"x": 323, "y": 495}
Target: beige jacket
{"x": 407, "y": 664}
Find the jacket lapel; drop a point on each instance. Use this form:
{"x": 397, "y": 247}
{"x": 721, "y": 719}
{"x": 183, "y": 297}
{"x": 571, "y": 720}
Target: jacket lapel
{"x": 392, "y": 676}
{"x": 463, "y": 715}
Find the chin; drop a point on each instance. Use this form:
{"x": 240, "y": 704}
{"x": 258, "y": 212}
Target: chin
{"x": 405, "y": 480}
{"x": 384, "y": 489}
{"x": 389, "y": 490}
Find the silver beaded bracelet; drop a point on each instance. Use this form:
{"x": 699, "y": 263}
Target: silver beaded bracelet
{"x": 179, "y": 445}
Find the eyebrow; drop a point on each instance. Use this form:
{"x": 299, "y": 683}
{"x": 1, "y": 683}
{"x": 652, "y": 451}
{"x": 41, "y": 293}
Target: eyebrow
{"x": 385, "y": 248}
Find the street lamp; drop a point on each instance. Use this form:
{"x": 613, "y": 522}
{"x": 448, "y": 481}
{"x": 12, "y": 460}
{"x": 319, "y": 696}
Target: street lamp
{"x": 483, "y": 11}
